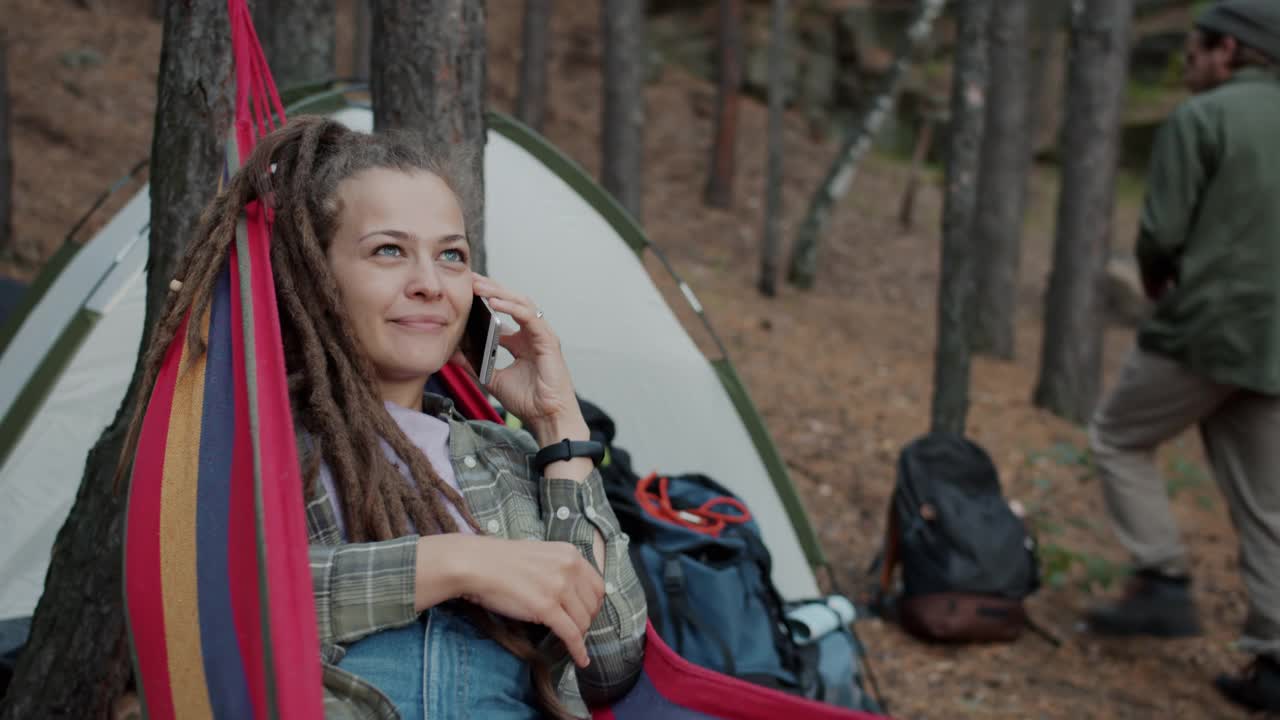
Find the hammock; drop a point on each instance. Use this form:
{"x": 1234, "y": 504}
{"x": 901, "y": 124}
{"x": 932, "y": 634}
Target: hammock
{"x": 217, "y": 583}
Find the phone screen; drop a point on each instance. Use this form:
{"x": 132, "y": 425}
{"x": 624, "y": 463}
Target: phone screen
{"x": 477, "y": 333}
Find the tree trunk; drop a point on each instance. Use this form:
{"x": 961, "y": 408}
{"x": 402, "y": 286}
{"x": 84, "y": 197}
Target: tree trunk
{"x": 1002, "y": 186}
{"x": 298, "y": 39}
{"x": 857, "y": 140}
{"x": 1071, "y": 358}
{"x": 77, "y": 663}
{"x": 719, "y": 191}
{"x": 6, "y": 156}
{"x": 531, "y": 101}
{"x": 964, "y": 150}
{"x": 429, "y": 76}
{"x": 773, "y": 171}
{"x": 1048, "y": 70}
{"x": 924, "y": 141}
{"x": 622, "y": 132}
{"x": 362, "y": 42}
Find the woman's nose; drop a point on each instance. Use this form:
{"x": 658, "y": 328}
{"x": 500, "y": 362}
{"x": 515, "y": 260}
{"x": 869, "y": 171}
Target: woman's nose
{"x": 424, "y": 281}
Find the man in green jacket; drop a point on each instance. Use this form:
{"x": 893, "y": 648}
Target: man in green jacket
{"x": 1209, "y": 251}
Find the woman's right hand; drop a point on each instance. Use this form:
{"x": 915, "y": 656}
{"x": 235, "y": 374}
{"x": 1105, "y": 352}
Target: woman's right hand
{"x": 549, "y": 583}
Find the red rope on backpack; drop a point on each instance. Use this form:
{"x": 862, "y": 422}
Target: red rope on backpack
{"x": 703, "y": 519}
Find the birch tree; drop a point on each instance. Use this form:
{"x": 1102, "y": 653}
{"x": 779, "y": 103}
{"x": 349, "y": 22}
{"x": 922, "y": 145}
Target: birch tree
{"x": 857, "y": 140}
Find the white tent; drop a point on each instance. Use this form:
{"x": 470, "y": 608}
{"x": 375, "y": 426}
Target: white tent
{"x": 550, "y": 232}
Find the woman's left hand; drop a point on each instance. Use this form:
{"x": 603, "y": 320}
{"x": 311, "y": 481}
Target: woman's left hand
{"x": 536, "y": 387}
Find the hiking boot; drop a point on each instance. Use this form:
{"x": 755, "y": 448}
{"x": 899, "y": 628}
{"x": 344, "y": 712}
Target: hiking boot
{"x": 1257, "y": 688}
{"x": 1153, "y": 604}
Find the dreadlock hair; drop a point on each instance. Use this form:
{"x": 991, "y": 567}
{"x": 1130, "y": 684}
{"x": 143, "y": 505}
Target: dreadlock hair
{"x": 338, "y": 414}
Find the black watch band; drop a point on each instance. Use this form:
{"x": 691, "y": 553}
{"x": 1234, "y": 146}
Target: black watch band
{"x": 567, "y": 449}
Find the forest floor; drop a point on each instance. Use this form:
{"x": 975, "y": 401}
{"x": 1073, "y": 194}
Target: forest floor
{"x": 842, "y": 373}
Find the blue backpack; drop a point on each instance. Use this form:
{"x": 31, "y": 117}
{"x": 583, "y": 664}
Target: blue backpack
{"x": 706, "y": 574}
{"x": 707, "y": 579}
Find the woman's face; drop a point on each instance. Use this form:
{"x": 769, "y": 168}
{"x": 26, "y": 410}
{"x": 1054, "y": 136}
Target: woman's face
{"x": 402, "y": 263}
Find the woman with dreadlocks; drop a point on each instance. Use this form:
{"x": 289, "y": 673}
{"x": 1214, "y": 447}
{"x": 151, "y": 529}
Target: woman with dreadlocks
{"x": 447, "y": 566}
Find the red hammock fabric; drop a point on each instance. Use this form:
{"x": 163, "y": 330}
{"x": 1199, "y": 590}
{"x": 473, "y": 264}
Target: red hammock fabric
{"x": 217, "y": 584}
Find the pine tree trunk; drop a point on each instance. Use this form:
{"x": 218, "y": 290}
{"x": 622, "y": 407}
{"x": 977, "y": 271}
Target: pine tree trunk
{"x": 1002, "y": 186}
{"x": 6, "y": 156}
{"x": 362, "y": 44}
{"x": 1048, "y": 70}
{"x": 857, "y": 140}
{"x": 719, "y": 192}
{"x": 531, "y": 100}
{"x": 959, "y": 247}
{"x": 622, "y": 132}
{"x": 298, "y": 39}
{"x": 77, "y": 663}
{"x": 773, "y": 171}
{"x": 429, "y": 76}
{"x": 1071, "y": 358}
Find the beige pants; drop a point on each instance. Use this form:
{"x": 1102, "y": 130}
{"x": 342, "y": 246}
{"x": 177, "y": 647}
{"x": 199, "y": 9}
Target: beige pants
{"x": 1156, "y": 399}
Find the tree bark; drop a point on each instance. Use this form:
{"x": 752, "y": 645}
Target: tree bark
{"x": 1002, "y": 186}
{"x": 531, "y": 100}
{"x": 298, "y": 39}
{"x": 6, "y": 156}
{"x": 719, "y": 192}
{"x": 428, "y": 75}
{"x": 1071, "y": 358}
{"x": 857, "y": 140}
{"x": 773, "y": 170}
{"x": 77, "y": 663}
{"x": 362, "y": 43}
{"x": 622, "y": 132}
{"x": 955, "y": 288}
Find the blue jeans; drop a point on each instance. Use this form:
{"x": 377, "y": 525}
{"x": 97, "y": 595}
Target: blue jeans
{"x": 444, "y": 667}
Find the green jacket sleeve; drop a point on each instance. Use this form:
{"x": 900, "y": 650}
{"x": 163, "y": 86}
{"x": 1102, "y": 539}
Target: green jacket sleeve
{"x": 1182, "y": 162}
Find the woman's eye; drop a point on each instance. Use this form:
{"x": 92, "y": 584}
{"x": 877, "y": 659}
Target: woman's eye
{"x": 453, "y": 255}
{"x": 389, "y": 251}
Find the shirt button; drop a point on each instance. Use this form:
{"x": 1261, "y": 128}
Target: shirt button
{"x": 591, "y": 513}
{"x": 563, "y": 513}
{"x": 469, "y": 461}
{"x": 610, "y": 588}
{"x": 494, "y": 527}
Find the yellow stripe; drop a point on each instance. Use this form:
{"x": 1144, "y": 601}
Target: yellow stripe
{"x": 178, "y": 542}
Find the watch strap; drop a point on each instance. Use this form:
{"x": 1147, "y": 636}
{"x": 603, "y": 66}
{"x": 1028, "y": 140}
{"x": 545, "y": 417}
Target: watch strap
{"x": 566, "y": 450}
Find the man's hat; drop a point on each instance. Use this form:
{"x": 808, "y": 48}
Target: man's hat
{"x": 1255, "y": 23}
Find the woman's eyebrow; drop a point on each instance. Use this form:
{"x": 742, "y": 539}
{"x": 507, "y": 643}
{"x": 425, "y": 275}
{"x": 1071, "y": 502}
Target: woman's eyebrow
{"x": 397, "y": 234}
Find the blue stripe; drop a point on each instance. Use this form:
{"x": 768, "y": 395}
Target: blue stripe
{"x": 223, "y": 665}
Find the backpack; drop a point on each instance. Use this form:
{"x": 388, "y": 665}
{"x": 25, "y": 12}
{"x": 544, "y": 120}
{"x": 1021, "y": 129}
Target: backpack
{"x": 707, "y": 577}
{"x": 967, "y": 561}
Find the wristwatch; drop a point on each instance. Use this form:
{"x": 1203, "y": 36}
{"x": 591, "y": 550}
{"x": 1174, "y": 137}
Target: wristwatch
{"x": 567, "y": 449}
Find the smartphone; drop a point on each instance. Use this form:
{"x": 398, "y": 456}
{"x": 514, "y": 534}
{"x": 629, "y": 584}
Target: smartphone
{"x": 480, "y": 340}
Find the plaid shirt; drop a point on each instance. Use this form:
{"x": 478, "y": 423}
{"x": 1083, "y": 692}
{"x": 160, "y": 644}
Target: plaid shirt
{"x": 362, "y": 588}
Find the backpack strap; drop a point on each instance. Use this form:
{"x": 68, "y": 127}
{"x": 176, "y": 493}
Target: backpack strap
{"x": 681, "y": 609}
{"x": 650, "y": 592}
{"x": 892, "y": 552}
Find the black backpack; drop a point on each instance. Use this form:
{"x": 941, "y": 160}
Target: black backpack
{"x": 967, "y": 561}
